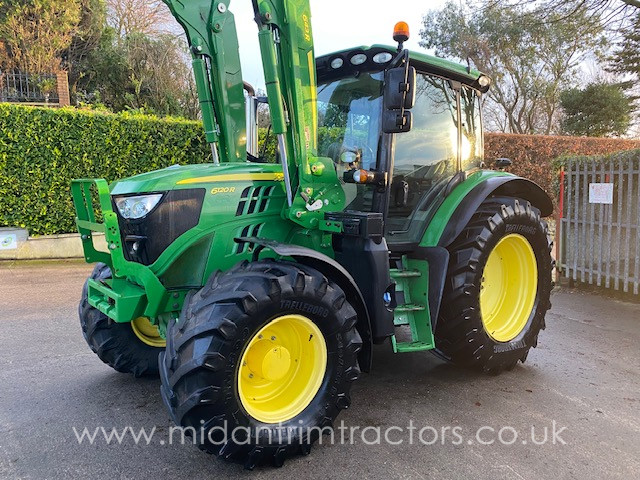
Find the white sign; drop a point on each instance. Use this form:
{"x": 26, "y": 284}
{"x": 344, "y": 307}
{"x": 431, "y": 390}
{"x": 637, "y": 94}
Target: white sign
{"x": 8, "y": 242}
{"x": 601, "y": 193}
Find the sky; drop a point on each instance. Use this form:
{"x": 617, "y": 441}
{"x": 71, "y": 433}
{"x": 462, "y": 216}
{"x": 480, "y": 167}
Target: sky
{"x": 337, "y": 24}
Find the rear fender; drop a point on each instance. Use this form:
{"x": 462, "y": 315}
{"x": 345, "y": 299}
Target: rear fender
{"x": 504, "y": 186}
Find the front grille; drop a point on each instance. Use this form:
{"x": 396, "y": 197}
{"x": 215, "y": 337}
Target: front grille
{"x": 146, "y": 238}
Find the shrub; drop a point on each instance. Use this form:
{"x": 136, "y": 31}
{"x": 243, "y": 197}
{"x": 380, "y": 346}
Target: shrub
{"x": 42, "y": 150}
{"x": 533, "y": 155}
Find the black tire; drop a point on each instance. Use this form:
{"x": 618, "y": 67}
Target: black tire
{"x": 115, "y": 343}
{"x": 200, "y": 367}
{"x": 460, "y": 334}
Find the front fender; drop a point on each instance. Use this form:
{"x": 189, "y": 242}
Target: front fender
{"x": 334, "y": 271}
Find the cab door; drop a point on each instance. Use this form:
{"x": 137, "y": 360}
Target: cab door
{"x": 446, "y": 128}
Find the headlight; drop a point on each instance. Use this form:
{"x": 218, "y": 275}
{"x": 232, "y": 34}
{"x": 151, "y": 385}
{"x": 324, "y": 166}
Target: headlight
{"x": 358, "y": 59}
{"x": 484, "y": 81}
{"x": 138, "y": 206}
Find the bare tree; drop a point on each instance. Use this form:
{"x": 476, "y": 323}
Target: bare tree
{"x": 530, "y": 58}
{"x": 150, "y": 17}
{"x": 613, "y": 14}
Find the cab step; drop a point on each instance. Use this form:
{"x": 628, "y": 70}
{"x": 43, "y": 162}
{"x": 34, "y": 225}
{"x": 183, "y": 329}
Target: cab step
{"x": 412, "y": 288}
{"x": 395, "y": 273}
{"x": 410, "y": 307}
{"x": 406, "y": 347}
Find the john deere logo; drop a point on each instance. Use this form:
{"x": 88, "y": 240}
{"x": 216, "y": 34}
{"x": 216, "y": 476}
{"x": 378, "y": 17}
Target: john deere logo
{"x": 6, "y": 241}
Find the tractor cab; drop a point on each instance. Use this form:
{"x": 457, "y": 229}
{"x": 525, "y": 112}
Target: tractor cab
{"x": 443, "y": 145}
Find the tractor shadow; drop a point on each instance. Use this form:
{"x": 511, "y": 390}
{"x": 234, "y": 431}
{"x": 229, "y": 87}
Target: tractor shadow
{"x": 420, "y": 386}
{"x": 427, "y": 370}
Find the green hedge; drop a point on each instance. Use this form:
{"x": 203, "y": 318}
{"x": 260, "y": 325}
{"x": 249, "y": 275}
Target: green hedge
{"x": 42, "y": 150}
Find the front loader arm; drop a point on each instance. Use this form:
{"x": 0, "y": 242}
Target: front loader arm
{"x": 211, "y": 33}
{"x": 286, "y": 45}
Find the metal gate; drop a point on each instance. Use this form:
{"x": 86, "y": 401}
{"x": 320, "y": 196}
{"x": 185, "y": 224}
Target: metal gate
{"x": 29, "y": 88}
{"x": 599, "y": 227}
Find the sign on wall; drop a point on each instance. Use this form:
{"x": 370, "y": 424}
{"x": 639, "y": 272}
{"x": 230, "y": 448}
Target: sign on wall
{"x": 601, "y": 193}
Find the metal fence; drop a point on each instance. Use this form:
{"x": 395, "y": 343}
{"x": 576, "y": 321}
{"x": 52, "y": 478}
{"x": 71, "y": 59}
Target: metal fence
{"x": 28, "y": 88}
{"x": 599, "y": 237}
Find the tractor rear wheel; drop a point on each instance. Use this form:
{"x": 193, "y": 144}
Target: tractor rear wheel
{"x": 498, "y": 287}
{"x": 126, "y": 347}
{"x": 261, "y": 361}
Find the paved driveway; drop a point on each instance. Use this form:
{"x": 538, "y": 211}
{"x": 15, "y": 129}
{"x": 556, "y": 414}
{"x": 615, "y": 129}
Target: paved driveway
{"x": 583, "y": 380}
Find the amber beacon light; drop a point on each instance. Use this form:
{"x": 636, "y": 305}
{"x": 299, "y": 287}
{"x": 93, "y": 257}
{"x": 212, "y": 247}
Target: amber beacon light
{"x": 401, "y": 32}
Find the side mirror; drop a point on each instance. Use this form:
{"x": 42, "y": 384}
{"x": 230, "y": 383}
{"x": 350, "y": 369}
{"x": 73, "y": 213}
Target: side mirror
{"x": 396, "y": 121}
{"x": 399, "y": 98}
{"x": 399, "y": 88}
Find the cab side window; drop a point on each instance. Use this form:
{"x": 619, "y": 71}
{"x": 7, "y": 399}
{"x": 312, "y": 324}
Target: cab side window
{"x": 432, "y": 142}
{"x": 472, "y": 149}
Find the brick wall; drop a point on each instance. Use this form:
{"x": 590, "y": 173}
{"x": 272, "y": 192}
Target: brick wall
{"x": 63, "y": 89}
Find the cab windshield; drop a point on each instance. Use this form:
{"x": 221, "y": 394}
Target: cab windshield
{"x": 349, "y": 131}
{"x": 349, "y": 111}
{"x": 446, "y": 138}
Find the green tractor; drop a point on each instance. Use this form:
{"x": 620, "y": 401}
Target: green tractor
{"x": 256, "y": 285}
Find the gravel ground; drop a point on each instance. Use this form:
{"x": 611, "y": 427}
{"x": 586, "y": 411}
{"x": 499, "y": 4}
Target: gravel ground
{"x": 583, "y": 380}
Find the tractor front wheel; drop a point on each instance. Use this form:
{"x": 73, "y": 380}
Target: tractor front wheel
{"x": 126, "y": 347}
{"x": 498, "y": 287}
{"x": 261, "y": 361}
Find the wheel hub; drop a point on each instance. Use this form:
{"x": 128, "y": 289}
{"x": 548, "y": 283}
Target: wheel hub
{"x": 147, "y": 332}
{"x": 509, "y": 288}
{"x": 282, "y": 369}
{"x": 269, "y": 360}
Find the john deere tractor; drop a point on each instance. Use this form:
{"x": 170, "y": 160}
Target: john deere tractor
{"x": 255, "y": 285}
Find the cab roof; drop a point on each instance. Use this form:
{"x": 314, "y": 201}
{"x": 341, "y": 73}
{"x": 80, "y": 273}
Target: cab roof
{"x": 422, "y": 62}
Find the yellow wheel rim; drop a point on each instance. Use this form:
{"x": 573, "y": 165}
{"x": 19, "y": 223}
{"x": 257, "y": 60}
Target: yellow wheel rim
{"x": 147, "y": 332}
{"x": 509, "y": 288}
{"x": 282, "y": 368}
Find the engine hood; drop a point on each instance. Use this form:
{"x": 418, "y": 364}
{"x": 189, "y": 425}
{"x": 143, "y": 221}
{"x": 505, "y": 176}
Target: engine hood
{"x": 194, "y": 176}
